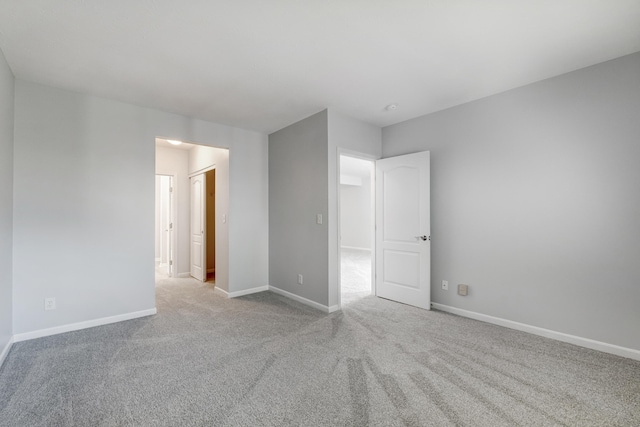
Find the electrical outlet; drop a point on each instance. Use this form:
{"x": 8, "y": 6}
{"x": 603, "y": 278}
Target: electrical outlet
{"x": 463, "y": 290}
{"x": 49, "y": 303}
{"x": 300, "y": 279}
{"x": 319, "y": 219}
{"x": 445, "y": 285}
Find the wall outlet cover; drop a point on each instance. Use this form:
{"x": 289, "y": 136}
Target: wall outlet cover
{"x": 445, "y": 285}
{"x": 49, "y": 303}
{"x": 463, "y": 290}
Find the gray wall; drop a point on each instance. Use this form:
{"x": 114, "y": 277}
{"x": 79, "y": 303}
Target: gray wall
{"x": 303, "y": 182}
{"x": 6, "y": 200}
{"x": 84, "y": 203}
{"x": 297, "y": 192}
{"x": 536, "y": 201}
{"x": 355, "y": 215}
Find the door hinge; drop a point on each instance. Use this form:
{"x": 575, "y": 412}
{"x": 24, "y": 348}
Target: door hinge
{"x": 170, "y": 226}
{"x": 171, "y": 262}
{"x": 170, "y": 189}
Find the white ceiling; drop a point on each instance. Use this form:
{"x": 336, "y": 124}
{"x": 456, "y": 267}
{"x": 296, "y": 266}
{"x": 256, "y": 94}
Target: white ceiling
{"x": 262, "y": 65}
{"x": 163, "y": 143}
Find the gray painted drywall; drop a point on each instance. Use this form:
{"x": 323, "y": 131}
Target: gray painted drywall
{"x": 297, "y": 192}
{"x": 175, "y": 161}
{"x": 303, "y": 182}
{"x": 200, "y": 158}
{"x": 84, "y": 203}
{"x": 6, "y": 201}
{"x": 346, "y": 136}
{"x": 536, "y": 201}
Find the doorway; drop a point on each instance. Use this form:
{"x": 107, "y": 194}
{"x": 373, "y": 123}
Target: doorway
{"x": 203, "y": 226}
{"x": 186, "y": 161}
{"x": 164, "y": 223}
{"x": 356, "y": 217}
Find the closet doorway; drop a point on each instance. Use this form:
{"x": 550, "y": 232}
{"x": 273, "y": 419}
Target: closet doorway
{"x": 203, "y": 226}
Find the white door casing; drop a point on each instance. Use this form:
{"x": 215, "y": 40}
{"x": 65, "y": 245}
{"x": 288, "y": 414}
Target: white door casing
{"x": 170, "y": 229}
{"x": 197, "y": 227}
{"x": 403, "y": 245}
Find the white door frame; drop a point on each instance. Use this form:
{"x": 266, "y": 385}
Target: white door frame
{"x": 174, "y": 218}
{"x": 372, "y": 159}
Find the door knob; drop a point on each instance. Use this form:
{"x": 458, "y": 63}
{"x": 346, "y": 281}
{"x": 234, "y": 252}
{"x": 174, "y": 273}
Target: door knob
{"x": 424, "y": 237}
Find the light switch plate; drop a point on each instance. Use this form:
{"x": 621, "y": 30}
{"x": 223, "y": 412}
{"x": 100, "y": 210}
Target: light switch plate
{"x": 463, "y": 290}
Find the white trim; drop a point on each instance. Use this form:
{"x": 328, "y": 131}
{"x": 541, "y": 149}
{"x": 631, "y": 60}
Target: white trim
{"x": 5, "y": 351}
{"x": 559, "y": 336}
{"x": 201, "y": 171}
{"x": 222, "y": 292}
{"x": 356, "y": 248}
{"x": 303, "y": 300}
{"x": 174, "y": 216}
{"x": 183, "y": 275}
{"x": 248, "y": 291}
{"x": 82, "y": 325}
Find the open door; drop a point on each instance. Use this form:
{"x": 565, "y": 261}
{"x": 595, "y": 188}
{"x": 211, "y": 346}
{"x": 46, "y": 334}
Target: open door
{"x": 197, "y": 232}
{"x": 169, "y": 228}
{"x": 403, "y": 242}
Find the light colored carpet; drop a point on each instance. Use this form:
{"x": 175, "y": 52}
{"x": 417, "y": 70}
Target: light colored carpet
{"x": 355, "y": 275}
{"x": 264, "y": 360}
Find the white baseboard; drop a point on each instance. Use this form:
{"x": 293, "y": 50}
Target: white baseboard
{"x": 221, "y": 292}
{"x": 559, "y": 336}
{"x": 248, "y": 291}
{"x": 183, "y": 275}
{"x": 303, "y": 300}
{"x": 5, "y": 351}
{"x": 82, "y": 325}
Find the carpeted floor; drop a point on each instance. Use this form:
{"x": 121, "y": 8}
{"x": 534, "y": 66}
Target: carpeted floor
{"x": 355, "y": 274}
{"x": 264, "y": 360}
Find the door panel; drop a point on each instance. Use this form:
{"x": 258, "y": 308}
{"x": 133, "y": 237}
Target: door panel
{"x": 403, "y": 269}
{"x": 198, "y": 191}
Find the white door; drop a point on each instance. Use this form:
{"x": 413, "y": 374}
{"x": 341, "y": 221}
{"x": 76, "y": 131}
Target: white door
{"x": 198, "y": 247}
{"x": 170, "y": 229}
{"x": 403, "y": 244}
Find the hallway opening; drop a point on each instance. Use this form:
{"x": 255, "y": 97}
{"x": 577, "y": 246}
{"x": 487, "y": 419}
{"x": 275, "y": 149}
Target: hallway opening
{"x": 356, "y": 206}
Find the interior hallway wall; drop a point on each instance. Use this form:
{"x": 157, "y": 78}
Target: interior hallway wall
{"x": 355, "y": 215}
{"x": 84, "y": 202}
{"x": 303, "y": 182}
{"x": 211, "y": 220}
{"x": 535, "y": 201}
{"x": 6, "y": 203}
{"x": 297, "y": 193}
